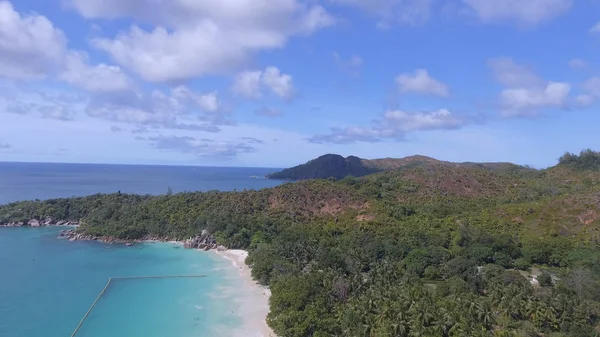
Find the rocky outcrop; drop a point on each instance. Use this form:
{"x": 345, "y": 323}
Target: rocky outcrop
{"x": 75, "y": 235}
{"x": 203, "y": 241}
{"x": 48, "y": 221}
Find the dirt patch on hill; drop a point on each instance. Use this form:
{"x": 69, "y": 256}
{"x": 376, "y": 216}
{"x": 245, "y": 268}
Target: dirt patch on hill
{"x": 587, "y": 217}
{"x": 364, "y": 217}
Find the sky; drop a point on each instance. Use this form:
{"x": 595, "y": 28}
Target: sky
{"x": 274, "y": 83}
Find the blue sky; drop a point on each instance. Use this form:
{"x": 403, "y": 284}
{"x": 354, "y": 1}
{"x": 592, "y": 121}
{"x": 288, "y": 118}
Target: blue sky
{"x": 278, "y": 82}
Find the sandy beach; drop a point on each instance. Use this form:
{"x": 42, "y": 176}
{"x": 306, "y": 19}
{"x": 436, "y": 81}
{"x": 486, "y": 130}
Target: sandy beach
{"x": 254, "y": 304}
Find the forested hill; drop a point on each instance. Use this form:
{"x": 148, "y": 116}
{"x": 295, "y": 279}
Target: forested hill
{"x": 326, "y": 166}
{"x": 426, "y": 250}
{"x": 336, "y": 166}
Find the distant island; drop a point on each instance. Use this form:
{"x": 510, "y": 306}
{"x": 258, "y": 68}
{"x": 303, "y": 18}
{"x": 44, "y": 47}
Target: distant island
{"x": 338, "y": 167}
{"x": 421, "y": 247}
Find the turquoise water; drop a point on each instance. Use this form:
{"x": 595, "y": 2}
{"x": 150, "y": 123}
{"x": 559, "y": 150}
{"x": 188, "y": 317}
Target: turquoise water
{"x": 47, "y": 285}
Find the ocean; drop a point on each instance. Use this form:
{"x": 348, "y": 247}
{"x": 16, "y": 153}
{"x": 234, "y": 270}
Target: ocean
{"x": 29, "y": 181}
{"x": 47, "y": 284}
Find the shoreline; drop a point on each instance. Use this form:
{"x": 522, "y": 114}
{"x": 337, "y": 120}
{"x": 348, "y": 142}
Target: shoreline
{"x": 255, "y": 304}
{"x": 254, "y": 300}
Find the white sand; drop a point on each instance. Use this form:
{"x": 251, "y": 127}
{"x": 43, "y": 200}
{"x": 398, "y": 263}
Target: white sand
{"x": 254, "y": 306}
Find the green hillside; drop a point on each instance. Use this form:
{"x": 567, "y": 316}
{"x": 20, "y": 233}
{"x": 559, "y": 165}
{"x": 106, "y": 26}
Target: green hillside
{"x": 336, "y": 166}
{"x": 429, "y": 249}
{"x": 326, "y": 166}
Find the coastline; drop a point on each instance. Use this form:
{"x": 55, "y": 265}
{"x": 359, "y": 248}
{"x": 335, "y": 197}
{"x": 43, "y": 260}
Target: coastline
{"x": 254, "y": 302}
{"x": 253, "y": 299}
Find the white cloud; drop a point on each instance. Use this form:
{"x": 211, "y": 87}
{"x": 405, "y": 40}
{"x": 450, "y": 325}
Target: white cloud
{"x": 394, "y": 125}
{"x": 525, "y": 93}
{"x": 30, "y": 45}
{"x": 182, "y": 109}
{"x": 280, "y": 84}
{"x": 389, "y": 12}
{"x": 526, "y": 101}
{"x": 420, "y": 82}
{"x": 595, "y": 28}
{"x": 208, "y": 102}
{"x": 407, "y": 122}
{"x": 202, "y": 147}
{"x": 530, "y": 12}
{"x": 250, "y": 84}
{"x": 196, "y": 38}
{"x": 32, "y": 48}
{"x": 101, "y": 77}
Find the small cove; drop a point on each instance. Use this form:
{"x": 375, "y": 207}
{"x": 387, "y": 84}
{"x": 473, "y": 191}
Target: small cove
{"x": 50, "y": 283}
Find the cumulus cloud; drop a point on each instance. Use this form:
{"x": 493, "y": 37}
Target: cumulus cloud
{"x": 30, "y": 45}
{"x": 201, "y": 147}
{"x": 595, "y": 29}
{"x": 251, "y": 84}
{"x": 530, "y": 12}
{"x": 208, "y": 102}
{"x": 180, "y": 109}
{"x": 32, "y": 48}
{"x": 525, "y": 94}
{"x": 96, "y": 78}
{"x": 525, "y": 101}
{"x": 394, "y": 125}
{"x": 421, "y": 83}
{"x": 196, "y": 38}
{"x": 389, "y": 12}
{"x": 268, "y": 112}
{"x": 350, "y": 66}
{"x": 5, "y": 146}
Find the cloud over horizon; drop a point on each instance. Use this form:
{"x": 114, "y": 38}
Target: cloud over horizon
{"x": 182, "y": 80}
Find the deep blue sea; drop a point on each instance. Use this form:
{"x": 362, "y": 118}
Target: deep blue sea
{"x": 27, "y": 181}
{"x": 48, "y": 284}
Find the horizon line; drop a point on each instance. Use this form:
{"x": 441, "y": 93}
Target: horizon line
{"x": 131, "y": 164}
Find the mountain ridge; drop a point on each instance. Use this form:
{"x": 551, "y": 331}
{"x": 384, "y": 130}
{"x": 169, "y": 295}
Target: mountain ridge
{"x": 338, "y": 167}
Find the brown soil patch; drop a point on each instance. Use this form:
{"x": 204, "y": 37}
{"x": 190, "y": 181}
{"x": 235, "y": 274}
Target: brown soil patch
{"x": 364, "y": 217}
{"x": 518, "y": 220}
{"x": 587, "y": 217}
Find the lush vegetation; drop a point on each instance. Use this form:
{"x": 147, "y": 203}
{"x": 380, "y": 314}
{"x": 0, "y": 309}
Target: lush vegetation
{"x": 338, "y": 167}
{"x": 586, "y": 160}
{"x": 326, "y": 166}
{"x": 425, "y": 250}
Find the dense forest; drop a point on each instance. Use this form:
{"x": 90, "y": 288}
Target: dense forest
{"x": 425, "y": 250}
